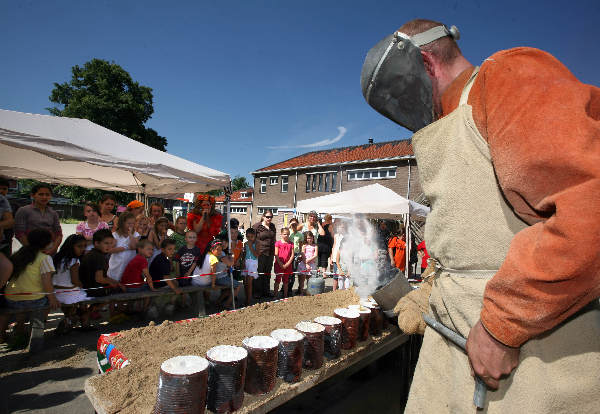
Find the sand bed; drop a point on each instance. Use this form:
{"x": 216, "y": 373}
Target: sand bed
{"x": 133, "y": 389}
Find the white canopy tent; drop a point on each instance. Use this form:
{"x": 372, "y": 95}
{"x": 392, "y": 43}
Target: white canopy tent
{"x": 371, "y": 201}
{"x": 73, "y": 151}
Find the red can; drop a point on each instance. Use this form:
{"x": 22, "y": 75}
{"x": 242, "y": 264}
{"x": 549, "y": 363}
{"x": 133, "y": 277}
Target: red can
{"x": 363, "y": 323}
{"x": 350, "y": 321}
{"x": 262, "y": 364}
{"x": 314, "y": 344}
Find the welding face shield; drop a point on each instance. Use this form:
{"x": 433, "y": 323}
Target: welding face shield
{"x": 394, "y": 81}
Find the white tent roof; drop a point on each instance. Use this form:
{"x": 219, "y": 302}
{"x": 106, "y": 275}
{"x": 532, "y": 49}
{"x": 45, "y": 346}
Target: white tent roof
{"x": 79, "y": 152}
{"x": 373, "y": 200}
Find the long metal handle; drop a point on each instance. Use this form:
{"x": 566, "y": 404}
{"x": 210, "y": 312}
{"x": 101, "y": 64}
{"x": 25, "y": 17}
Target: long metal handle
{"x": 480, "y": 387}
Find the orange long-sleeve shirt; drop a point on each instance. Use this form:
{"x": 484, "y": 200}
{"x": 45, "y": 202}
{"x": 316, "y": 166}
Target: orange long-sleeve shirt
{"x": 543, "y": 129}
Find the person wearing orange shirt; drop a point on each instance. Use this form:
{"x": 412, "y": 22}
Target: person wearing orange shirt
{"x": 397, "y": 251}
{"x": 508, "y": 156}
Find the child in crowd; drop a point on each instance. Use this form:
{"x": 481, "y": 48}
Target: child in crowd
{"x": 93, "y": 268}
{"x": 32, "y": 272}
{"x": 87, "y": 228}
{"x": 297, "y": 238}
{"x": 142, "y": 226}
{"x": 67, "y": 286}
{"x": 158, "y": 234}
{"x": 160, "y": 271}
{"x": 187, "y": 257}
{"x": 219, "y": 269}
{"x": 284, "y": 255}
{"x": 251, "y": 262}
{"x": 136, "y": 271}
{"x": 310, "y": 253}
{"x": 107, "y": 205}
{"x": 126, "y": 239}
{"x": 179, "y": 234}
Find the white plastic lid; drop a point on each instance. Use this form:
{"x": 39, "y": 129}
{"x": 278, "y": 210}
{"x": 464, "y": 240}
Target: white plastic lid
{"x": 184, "y": 365}
{"x": 347, "y": 313}
{"x": 227, "y": 353}
{"x": 261, "y": 342}
{"x": 310, "y": 327}
{"x": 327, "y": 320}
{"x": 287, "y": 335}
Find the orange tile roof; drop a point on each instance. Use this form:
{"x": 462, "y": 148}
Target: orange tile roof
{"x": 376, "y": 151}
{"x": 236, "y": 196}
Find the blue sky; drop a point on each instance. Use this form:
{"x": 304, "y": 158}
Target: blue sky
{"x": 239, "y": 85}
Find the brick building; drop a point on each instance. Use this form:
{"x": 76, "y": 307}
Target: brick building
{"x": 280, "y": 186}
{"x": 241, "y": 206}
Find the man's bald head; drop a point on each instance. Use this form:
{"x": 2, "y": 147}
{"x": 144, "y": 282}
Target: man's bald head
{"x": 444, "y": 48}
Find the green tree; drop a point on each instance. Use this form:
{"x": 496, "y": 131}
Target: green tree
{"x": 105, "y": 93}
{"x": 239, "y": 183}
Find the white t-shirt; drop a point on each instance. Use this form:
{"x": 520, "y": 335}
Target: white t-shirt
{"x": 62, "y": 277}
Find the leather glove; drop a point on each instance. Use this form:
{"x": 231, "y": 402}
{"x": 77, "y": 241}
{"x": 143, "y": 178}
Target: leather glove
{"x": 410, "y": 308}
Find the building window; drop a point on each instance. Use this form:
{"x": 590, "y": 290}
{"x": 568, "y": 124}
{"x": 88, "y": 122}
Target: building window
{"x": 308, "y": 183}
{"x": 373, "y": 174}
{"x": 314, "y": 183}
{"x": 320, "y": 188}
{"x": 273, "y": 210}
{"x": 243, "y": 195}
{"x": 333, "y": 181}
{"x": 284, "y": 183}
{"x": 238, "y": 210}
{"x": 273, "y": 180}
{"x": 263, "y": 185}
{"x": 326, "y": 183}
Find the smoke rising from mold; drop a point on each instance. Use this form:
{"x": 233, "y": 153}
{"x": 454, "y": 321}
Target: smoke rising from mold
{"x": 361, "y": 256}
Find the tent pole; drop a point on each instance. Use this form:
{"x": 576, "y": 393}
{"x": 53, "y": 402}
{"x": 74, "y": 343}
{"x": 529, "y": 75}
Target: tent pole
{"x": 228, "y": 225}
{"x": 407, "y": 240}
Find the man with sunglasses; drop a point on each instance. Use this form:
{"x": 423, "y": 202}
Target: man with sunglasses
{"x": 266, "y": 235}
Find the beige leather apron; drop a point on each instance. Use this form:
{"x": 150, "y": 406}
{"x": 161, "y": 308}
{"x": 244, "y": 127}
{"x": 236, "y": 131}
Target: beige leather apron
{"x": 468, "y": 232}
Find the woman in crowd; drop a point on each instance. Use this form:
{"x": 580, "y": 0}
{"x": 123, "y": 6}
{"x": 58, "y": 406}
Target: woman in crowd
{"x": 325, "y": 242}
{"x": 107, "y": 206}
{"x": 204, "y": 220}
{"x": 265, "y": 248}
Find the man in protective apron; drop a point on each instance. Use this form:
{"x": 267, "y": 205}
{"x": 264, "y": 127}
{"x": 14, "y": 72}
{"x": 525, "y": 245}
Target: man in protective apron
{"x": 509, "y": 157}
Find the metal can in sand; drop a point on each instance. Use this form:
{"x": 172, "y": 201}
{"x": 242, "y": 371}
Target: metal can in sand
{"x": 226, "y": 377}
{"x": 182, "y": 386}
{"x": 289, "y": 354}
{"x": 261, "y": 372}
{"x": 332, "y": 337}
{"x": 350, "y": 320}
{"x": 314, "y": 344}
{"x": 377, "y": 317}
{"x": 364, "y": 322}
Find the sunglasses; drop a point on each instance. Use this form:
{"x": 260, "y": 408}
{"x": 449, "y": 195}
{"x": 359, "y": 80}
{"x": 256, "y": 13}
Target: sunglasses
{"x": 269, "y": 217}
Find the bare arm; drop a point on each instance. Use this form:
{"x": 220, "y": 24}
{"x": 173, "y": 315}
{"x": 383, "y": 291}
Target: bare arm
{"x": 321, "y": 229}
{"x": 148, "y": 278}
{"x": 277, "y": 256}
{"x": 252, "y": 247}
{"x": 74, "y": 271}
{"x": 8, "y": 221}
{"x": 49, "y": 289}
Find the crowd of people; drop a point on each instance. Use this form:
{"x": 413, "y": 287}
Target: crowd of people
{"x": 133, "y": 252}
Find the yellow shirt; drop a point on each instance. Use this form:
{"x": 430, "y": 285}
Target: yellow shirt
{"x": 30, "y": 280}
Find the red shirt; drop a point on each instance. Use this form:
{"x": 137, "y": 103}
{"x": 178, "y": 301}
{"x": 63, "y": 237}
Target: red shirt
{"x": 284, "y": 252}
{"x": 208, "y": 231}
{"x": 133, "y": 272}
{"x": 421, "y": 247}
